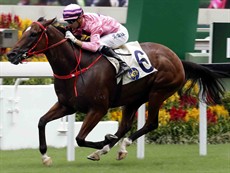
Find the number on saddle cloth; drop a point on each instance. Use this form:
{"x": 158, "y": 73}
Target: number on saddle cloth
{"x": 137, "y": 60}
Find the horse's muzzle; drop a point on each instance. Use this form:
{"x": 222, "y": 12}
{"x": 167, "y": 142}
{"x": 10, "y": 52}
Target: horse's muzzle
{"x": 15, "y": 58}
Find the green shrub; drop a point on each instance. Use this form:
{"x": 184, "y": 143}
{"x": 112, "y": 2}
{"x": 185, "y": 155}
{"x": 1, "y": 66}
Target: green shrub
{"x": 226, "y": 101}
{"x": 31, "y": 81}
{"x": 180, "y": 132}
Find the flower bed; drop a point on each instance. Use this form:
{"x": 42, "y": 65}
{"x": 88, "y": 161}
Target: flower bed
{"x": 179, "y": 121}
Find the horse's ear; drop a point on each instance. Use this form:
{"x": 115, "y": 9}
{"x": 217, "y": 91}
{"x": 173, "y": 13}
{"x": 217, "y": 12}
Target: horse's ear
{"x": 41, "y": 19}
{"x": 54, "y": 20}
{"x": 51, "y": 21}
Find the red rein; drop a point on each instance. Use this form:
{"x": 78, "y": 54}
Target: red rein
{"x": 74, "y": 73}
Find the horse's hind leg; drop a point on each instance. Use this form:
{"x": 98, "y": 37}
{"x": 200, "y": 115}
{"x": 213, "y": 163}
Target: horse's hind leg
{"x": 155, "y": 101}
{"x": 128, "y": 115}
{"x": 57, "y": 111}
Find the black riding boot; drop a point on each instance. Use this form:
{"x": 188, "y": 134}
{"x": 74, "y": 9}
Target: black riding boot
{"x": 110, "y": 52}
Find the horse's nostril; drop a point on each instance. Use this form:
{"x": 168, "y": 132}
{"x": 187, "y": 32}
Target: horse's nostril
{"x": 11, "y": 55}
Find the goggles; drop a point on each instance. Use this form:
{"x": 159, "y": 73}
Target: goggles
{"x": 70, "y": 21}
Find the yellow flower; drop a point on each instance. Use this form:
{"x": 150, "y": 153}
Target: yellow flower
{"x": 164, "y": 117}
{"x": 115, "y": 114}
{"x": 219, "y": 110}
{"x": 119, "y": 116}
{"x": 39, "y": 58}
{"x": 173, "y": 99}
{"x": 25, "y": 24}
{"x": 19, "y": 34}
{"x": 195, "y": 89}
{"x": 192, "y": 114}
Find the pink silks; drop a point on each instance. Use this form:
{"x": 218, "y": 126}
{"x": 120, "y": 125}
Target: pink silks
{"x": 217, "y": 4}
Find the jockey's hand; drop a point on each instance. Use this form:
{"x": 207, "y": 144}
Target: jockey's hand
{"x": 70, "y": 36}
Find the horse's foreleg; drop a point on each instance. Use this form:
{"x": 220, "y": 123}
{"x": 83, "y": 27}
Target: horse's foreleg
{"x": 91, "y": 120}
{"x": 57, "y": 111}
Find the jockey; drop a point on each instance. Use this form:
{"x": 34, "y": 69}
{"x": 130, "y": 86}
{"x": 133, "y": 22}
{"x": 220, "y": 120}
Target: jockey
{"x": 105, "y": 33}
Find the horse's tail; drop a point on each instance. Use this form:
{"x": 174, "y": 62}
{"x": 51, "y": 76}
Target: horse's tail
{"x": 211, "y": 87}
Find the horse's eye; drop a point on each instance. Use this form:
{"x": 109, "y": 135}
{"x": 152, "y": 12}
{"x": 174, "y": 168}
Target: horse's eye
{"x": 33, "y": 34}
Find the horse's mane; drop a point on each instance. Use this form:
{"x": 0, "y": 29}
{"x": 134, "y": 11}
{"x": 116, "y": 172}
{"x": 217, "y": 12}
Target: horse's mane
{"x": 55, "y": 24}
{"x": 59, "y": 27}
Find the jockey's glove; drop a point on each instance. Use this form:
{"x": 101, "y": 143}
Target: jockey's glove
{"x": 70, "y": 36}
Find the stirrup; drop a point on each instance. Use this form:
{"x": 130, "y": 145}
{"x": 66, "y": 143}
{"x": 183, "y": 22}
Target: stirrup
{"x": 122, "y": 71}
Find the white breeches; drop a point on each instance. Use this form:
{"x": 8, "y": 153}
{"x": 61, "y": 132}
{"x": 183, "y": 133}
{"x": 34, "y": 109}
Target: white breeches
{"x": 115, "y": 40}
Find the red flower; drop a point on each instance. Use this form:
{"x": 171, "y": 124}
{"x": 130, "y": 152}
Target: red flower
{"x": 8, "y": 21}
{"x": 17, "y": 21}
{"x": 5, "y": 20}
{"x": 177, "y": 114}
{"x": 211, "y": 117}
{"x": 186, "y": 101}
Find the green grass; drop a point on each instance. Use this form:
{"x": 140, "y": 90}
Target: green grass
{"x": 158, "y": 159}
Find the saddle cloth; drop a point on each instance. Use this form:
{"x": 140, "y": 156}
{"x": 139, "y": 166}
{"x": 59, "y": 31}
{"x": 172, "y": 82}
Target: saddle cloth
{"x": 136, "y": 59}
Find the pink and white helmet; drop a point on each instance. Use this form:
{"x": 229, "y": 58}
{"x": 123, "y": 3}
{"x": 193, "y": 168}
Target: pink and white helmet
{"x": 72, "y": 11}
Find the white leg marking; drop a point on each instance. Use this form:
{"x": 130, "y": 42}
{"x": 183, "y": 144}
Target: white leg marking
{"x": 122, "y": 153}
{"x": 96, "y": 155}
{"x": 46, "y": 160}
{"x": 126, "y": 142}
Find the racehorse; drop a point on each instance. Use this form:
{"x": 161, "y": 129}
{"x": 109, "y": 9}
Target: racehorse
{"x": 85, "y": 81}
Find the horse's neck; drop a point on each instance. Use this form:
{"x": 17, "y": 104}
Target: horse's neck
{"x": 61, "y": 59}
{"x": 64, "y": 59}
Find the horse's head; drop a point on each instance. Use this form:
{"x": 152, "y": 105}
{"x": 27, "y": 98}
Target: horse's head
{"x": 34, "y": 40}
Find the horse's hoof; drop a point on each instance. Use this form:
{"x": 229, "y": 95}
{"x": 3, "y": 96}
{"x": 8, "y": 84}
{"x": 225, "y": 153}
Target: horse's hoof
{"x": 47, "y": 161}
{"x": 94, "y": 156}
{"x": 122, "y": 155}
{"x": 110, "y": 137}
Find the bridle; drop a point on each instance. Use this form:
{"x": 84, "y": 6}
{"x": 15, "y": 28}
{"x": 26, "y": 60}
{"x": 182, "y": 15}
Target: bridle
{"x": 31, "y": 52}
{"x": 74, "y": 73}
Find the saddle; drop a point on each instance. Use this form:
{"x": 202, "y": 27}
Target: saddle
{"x": 133, "y": 55}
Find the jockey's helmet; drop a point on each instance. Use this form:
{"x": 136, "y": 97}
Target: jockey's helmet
{"x": 72, "y": 11}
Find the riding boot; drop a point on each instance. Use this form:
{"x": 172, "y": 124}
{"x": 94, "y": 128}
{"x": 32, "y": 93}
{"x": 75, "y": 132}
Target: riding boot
{"x": 123, "y": 66}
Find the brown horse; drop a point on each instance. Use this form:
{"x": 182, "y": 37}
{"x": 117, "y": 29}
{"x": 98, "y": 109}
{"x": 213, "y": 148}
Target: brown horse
{"x": 85, "y": 82}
